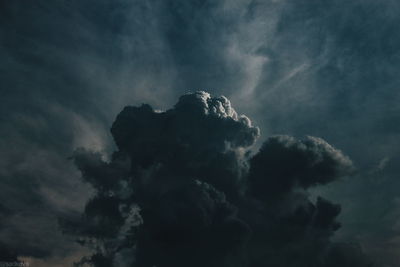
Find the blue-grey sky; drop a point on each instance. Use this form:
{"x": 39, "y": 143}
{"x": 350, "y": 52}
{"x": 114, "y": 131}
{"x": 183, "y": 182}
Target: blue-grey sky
{"x": 309, "y": 67}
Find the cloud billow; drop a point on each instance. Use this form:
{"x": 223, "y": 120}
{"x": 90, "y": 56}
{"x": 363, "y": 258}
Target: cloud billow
{"x": 284, "y": 163}
{"x": 185, "y": 189}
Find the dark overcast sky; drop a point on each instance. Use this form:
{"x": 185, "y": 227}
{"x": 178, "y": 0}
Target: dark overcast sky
{"x": 300, "y": 67}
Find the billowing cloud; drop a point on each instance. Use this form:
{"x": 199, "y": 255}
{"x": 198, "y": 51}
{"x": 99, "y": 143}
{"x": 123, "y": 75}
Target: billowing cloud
{"x": 321, "y": 68}
{"x": 284, "y": 163}
{"x": 185, "y": 189}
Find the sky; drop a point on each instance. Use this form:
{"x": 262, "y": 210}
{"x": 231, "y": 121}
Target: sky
{"x": 319, "y": 68}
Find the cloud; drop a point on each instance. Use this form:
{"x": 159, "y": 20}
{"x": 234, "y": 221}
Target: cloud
{"x": 320, "y": 68}
{"x": 202, "y": 137}
{"x": 284, "y": 163}
{"x": 184, "y": 189}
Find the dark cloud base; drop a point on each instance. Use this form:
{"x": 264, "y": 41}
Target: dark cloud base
{"x": 184, "y": 189}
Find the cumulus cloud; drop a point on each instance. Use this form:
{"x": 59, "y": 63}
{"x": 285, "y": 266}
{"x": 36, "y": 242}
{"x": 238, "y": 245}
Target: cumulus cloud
{"x": 201, "y": 137}
{"x": 69, "y": 66}
{"x": 284, "y": 163}
{"x": 185, "y": 189}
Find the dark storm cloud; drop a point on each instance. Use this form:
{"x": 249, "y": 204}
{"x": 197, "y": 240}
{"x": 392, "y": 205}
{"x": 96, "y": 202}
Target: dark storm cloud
{"x": 176, "y": 141}
{"x": 323, "y": 68}
{"x": 295, "y": 163}
{"x": 183, "y": 190}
